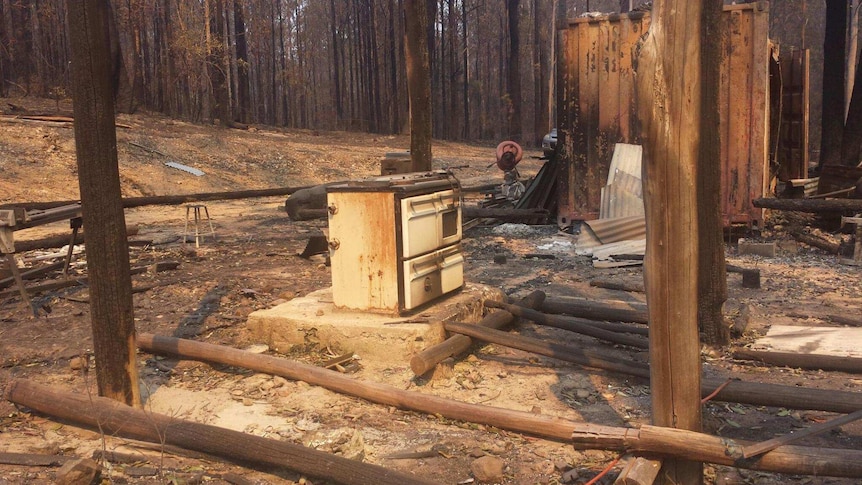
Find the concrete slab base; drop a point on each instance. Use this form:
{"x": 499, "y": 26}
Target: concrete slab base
{"x": 372, "y": 336}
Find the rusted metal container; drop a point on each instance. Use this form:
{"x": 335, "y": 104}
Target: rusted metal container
{"x": 597, "y": 108}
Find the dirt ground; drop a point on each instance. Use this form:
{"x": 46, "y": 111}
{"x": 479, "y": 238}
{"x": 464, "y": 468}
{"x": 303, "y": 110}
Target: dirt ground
{"x": 253, "y": 264}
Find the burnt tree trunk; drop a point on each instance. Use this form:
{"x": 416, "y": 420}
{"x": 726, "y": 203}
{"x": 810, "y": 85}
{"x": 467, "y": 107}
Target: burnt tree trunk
{"x": 712, "y": 277}
{"x": 834, "y": 47}
{"x": 418, "y": 83}
{"x": 111, "y": 310}
{"x": 513, "y": 81}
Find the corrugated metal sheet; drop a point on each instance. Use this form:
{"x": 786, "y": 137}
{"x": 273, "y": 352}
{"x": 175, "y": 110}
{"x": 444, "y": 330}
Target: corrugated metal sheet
{"x": 597, "y": 108}
{"x": 618, "y": 229}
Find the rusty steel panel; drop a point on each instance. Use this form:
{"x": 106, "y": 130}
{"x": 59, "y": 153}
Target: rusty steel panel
{"x": 597, "y": 108}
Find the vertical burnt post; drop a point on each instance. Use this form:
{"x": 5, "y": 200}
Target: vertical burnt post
{"x": 111, "y": 311}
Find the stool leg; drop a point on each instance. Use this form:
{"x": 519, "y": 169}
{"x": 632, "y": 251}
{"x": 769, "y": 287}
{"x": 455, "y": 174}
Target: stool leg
{"x": 210, "y": 221}
{"x": 186, "y": 226}
{"x": 197, "y": 227}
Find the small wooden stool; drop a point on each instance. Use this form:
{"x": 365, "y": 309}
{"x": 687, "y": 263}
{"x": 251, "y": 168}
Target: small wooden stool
{"x": 197, "y": 215}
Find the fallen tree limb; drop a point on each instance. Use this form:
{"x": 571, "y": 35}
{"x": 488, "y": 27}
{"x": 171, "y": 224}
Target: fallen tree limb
{"x": 572, "y": 325}
{"x": 66, "y": 283}
{"x": 568, "y": 353}
{"x": 33, "y": 273}
{"x": 845, "y": 320}
{"x": 690, "y": 445}
{"x": 615, "y": 311}
{"x": 803, "y": 361}
{"x": 456, "y": 344}
{"x": 648, "y": 440}
{"x": 33, "y": 459}
{"x": 815, "y": 429}
{"x": 817, "y": 242}
{"x": 129, "y": 202}
{"x": 59, "y": 240}
{"x": 633, "y": 287}
{"x": 114, "y": 418}
{"x": 810, "y": 205}
{"x": 520, "y": 421}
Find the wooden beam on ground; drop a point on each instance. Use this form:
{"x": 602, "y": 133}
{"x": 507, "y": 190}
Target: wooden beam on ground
{"x": 32, "y": 273}
{"x": 568, "y": 353}
{"x": 66, "y": 283}
{"x": 810, "y": 205}
{"x": 33, "y": 459}
{"x": 817, "y": 242}
{"x": 852, "y": 365}
{"x": 58, "y": 241}
{"x": 614, "y": 311}
{"x": 113, "y": 418}
{"x": 457, "y": 344}
{"x": 690, "y": 445}
{"x": 573, "y": 325}
{"x": 819, "y": 428}
{"x": 129, "y": 202}
{"x": 608, "y": 284}
{"x": 659, "y": 441}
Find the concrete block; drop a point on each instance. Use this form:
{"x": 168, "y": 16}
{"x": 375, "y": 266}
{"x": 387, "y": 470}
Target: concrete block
{"x": 766, "y": 250}
{"x": 789, "y": 246}
{"x": 373, "y": 336}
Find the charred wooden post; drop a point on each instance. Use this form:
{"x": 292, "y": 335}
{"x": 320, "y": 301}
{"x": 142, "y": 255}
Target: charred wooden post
{"x": 111, "y": 310}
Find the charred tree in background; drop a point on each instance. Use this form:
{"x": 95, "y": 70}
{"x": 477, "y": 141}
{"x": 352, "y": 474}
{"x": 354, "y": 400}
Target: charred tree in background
{"x": 712, "y": 274}
{"x": 418, "y": 83}
{"x": 832, "y": 120}
{"x": 513, "y": 80}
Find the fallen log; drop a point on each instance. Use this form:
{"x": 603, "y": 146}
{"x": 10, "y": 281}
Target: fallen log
{"x": 568, "y": 353}
{"x": 129, "y": 202}
{"x": 809, "y": 205}
{"x": 59, "y": 240}
{"x": 114, "y": 418}
{"x": 815, "y": 429}
{"x": 520, "y": 421}
{"x": 33, "y": 459}
{"x": 631, "y": 287}
{"x": 845, "y": 320}
{"x": 615, "y": 311}
{"x": 457, "y": 344}
{"x": 817, "y": 242}
{"x": 648, "y": 440}
{"x": 694, "y": 446}
{"x": 572, "y": 325}
{"x": 852, "y": 365}
{"x": 33, "y": 273}
{"x": 736, "y": 391}
{"x": 66, "y": 283}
